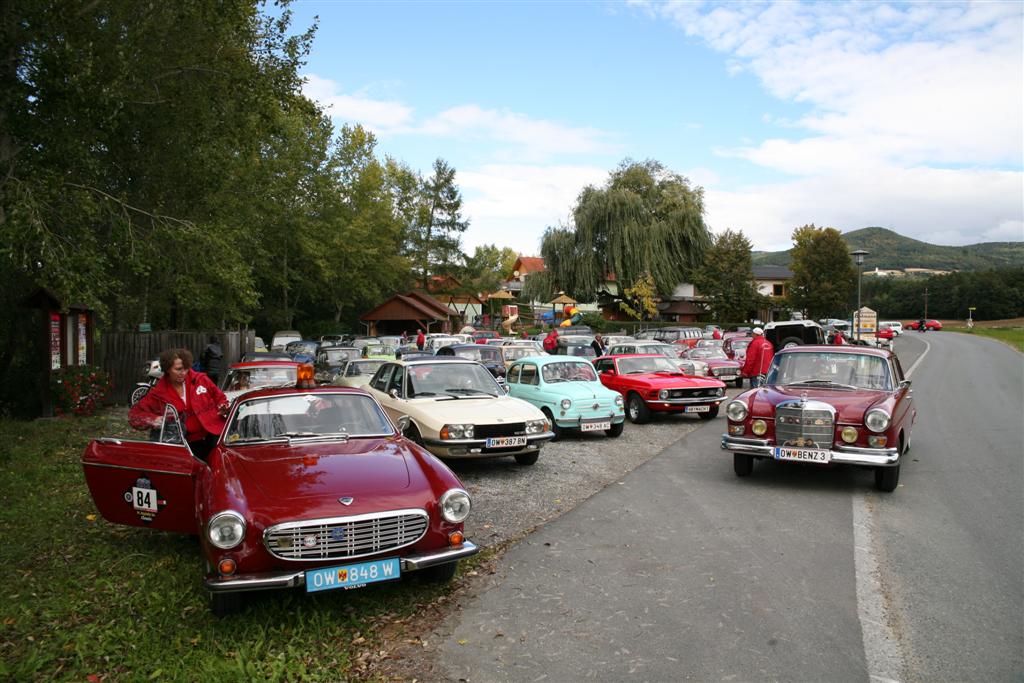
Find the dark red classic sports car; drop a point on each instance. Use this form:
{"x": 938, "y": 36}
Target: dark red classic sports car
{"x": 928, "y": 325}
{"x": 653, "y": 383}
{"x": 826, "y": 405}
{"x": 306, "y": 487}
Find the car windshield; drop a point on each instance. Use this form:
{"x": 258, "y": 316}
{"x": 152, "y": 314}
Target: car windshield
{"x": 517, "y": 352}
{"x": 569, "y": 371}
{"x": 451, "y": 379}
{"x": 632, "y": 366}
{"x": 362, "y": 367}
{"x": 337, "y": 356}
{"x": 479, "y": 352}
{"x": 707, "y": 353}
{"x": 244, "y": 379}
{"x": 581, "y": 350}
{"x": 301, "y": 347}
{"x": 709, "y": 343}
{"x": 306, "y": 416}
{"x": 739, "y": 344}
{"x": 842, "y": 370}
{"x": 660, "y": 349}
{"x": 379, "y": 350}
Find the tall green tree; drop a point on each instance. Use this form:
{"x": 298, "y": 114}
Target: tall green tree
{"x": 644, "y": 220}
{"x": 487, "y": 268}
{"x": 823, "y": 274}
{"x": 726, "y": 277}
{"x": 436, "y": 233}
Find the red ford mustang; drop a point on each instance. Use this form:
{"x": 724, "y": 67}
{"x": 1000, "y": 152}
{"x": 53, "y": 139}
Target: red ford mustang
{"x": 652, "y": 383}
{"x": 306, "y": 487}
{"x": 826, "y": 405}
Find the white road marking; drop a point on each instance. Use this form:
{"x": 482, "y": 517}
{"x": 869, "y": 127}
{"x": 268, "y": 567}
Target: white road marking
{"x": 882, "y": 651}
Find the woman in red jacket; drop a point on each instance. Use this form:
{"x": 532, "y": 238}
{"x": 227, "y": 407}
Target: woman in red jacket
{"x": 759, "y": 358}
{"x": 200, "y": 404}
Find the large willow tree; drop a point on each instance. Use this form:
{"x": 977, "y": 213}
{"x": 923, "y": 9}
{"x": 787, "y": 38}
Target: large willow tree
{"x": 644, "y": 220}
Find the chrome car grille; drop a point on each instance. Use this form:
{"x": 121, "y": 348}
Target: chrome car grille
{"x": 511, "y": 429}
{"x": 345, "y": 537}
{"x": 724, "y": 370}
{"x": 804, "y": 425}
{"x": 692, "y": 393}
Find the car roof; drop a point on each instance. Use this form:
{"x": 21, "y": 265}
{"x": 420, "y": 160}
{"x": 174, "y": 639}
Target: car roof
{"x": 635, "y": 355}
{"x": 434, "y": 359}
{"x": 855, "y": 349}
{"x": 544, "y": 360}
{"x": 804, "y": 323}
{"x": 266, "y": 364}
{"x": 291, "y": 391}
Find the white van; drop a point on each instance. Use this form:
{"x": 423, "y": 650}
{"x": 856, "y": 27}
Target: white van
{"x": 282, "y": 338}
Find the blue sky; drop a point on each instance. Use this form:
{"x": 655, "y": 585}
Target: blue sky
{"x": 908, "y": 116}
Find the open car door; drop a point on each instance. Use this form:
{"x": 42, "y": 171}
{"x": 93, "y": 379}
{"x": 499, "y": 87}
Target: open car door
{"x": 146, "y": 483}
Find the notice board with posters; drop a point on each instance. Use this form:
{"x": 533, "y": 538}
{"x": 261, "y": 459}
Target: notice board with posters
{"x": 866, "y": 324}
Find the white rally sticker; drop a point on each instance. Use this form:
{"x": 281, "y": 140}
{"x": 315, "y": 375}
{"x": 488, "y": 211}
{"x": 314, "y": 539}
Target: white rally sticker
{"x": 144, "y": 499}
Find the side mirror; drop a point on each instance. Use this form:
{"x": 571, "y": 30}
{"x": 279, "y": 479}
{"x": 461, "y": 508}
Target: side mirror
{"x": 393, "y": 393}
{"x": 905, "y": 384}
{"x": 403, "y": 423}
{"x": 507, "y": 388}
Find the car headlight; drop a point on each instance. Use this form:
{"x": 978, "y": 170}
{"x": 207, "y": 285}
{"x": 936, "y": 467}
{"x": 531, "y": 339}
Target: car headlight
{"x": 663, "y": 394}
{"x": 720, "y": 392}
{"x": 226, "y": 529}
{"x": 877, "y": 420}
{"x": 736, "y": 411}
{"x": 455, "y": 505}
{"x": 457, "y": 431}
{"x": 536, "y": 426}
{"x": 566, "y": 404}
{"x": 849, "y": 434}
{"x": 618, "y": 401}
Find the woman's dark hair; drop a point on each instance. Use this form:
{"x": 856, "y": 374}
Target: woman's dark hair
{"x": 168, "y": 357}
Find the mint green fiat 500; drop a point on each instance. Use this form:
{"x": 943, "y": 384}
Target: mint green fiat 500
{"x": 568, "y": 392}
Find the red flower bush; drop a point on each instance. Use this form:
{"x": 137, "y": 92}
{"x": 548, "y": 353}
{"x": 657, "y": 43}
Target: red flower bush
{"x": 78, "y": 389}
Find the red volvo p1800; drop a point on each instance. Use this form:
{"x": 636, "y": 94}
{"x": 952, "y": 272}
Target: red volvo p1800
{"x": 306, "y": 487}
{"x": 826, "y": 405}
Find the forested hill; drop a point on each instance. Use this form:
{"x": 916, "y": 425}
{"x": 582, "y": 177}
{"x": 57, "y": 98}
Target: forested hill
{"x": 891, "y": 250}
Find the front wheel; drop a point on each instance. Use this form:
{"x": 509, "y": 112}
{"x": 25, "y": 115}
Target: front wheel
{"x": 526, "y": 458}
{"x": 138, "y": 393}
{"x": 439, "y": 573}
{"x": 887, "y": 478}
{"x": 555, "y": 429}
{"x": 616, "y": 429}
{"x": 742, "y": 464}
{"x": 224, "y": 604}
{"x": 637, "y": 410}
{"x": 710, "y": 415}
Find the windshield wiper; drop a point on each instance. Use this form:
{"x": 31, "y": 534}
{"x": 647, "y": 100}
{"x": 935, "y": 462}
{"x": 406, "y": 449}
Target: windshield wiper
{"x": 823, "y": 382}
{"x": 460, "y": 390}
{"x": 312, "y": 435}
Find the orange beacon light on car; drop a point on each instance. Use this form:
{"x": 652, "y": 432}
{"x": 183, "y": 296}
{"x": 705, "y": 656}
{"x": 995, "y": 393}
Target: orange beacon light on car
{"x": 304, "y": 377}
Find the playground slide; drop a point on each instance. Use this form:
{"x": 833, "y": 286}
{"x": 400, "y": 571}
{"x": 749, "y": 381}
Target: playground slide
{"x": 574, "y": 317}
{"x": 509, "y": 322}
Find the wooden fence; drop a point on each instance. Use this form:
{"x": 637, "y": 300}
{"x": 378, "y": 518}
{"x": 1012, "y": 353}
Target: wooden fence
{"x": 123, "y": 355}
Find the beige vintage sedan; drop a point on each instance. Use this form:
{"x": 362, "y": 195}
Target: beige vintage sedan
{"x": 357, "y": 372}
{"x": 455, "y": 409}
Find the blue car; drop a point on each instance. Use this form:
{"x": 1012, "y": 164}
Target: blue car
{"x": 568, "y": 392}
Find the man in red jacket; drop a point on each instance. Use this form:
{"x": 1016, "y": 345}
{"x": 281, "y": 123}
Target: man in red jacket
{"x": 551, "y": 341}
{"x": 200, "y": 404}
{"x": 759, "y": 358}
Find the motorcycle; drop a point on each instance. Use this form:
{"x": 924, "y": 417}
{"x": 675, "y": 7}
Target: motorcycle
{"x": 153, "y": 374}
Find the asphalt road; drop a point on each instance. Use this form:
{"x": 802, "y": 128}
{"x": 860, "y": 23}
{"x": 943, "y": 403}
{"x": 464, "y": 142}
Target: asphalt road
{"x": 681, "y": 571}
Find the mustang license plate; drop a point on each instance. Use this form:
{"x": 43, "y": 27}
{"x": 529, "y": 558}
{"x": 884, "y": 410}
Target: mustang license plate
{"x": 352, "y": 575}
{"x": 802, "y": 454}
{"x": 595, "y": 426}
{"x": 505, "y": 441}
{"x": 696, "y": 409}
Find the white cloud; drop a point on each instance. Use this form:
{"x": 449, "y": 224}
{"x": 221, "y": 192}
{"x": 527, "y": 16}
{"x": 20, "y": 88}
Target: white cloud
{"x": 933, "y": 205}
{"x": 511, "y": 204}
{"x": 377, "y": 115}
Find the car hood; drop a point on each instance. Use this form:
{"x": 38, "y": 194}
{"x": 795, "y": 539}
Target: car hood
{"x": 322, "y": 469}
{"x": 476, "y": 410}
{"x": 665, "y": 380}
{"x": 850, "y": 405}
{"x": 721, "y": 363}
{"x": 581, "y": 391}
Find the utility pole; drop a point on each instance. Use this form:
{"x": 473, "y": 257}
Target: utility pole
{"x": 925, "y": 303}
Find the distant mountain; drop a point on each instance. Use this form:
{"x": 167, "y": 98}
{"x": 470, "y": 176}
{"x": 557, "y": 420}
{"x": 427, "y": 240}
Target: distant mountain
{"x": 892, "y": 250}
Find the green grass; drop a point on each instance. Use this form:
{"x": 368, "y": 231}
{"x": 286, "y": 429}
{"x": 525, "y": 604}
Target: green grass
{"x": 85, "y": 599}
{"x": 1014, "y": 336}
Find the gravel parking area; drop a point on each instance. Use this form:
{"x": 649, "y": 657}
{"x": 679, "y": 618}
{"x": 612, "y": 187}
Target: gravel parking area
{"x": 510, "y": 500}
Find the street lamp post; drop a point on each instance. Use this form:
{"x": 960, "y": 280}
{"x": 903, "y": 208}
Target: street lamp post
{"x": 858, "y": 258}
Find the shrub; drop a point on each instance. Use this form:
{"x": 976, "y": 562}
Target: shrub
{"x": 78, "y": 389}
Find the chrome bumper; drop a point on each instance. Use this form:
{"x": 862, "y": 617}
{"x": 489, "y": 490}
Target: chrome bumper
{"x": 474, "y": 448}
{"x": 294, "y": 579}
{"x": 578, "y": 422}
{"x": 696, "y": 400}
{"x": 845, "y": 455}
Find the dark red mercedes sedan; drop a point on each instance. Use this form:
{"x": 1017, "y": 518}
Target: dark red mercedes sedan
{"x": 307, "y": 487}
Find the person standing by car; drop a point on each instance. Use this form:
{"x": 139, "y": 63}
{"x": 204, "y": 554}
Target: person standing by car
{"x": 838, "y": 339}
{"x": 551, "y": 341}
{"x": 421, "y": 339}
{"x": 200, "y": 404}
{"x": 598, "y": 345}
{"x": 211, "y": 359}
{"x": 759, "y": 358}
{"x": 716, "y": 333}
